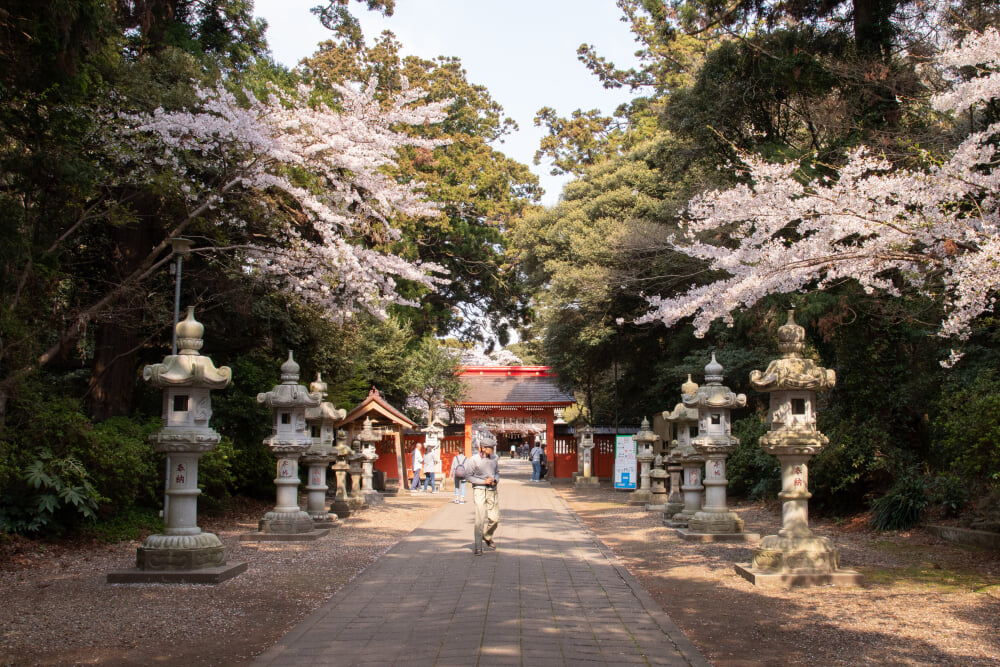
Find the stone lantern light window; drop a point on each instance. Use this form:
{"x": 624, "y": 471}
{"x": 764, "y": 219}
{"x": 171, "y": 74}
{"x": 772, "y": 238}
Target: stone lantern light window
{"x": 286, "y": 418}
{"x": 181, "y": 403}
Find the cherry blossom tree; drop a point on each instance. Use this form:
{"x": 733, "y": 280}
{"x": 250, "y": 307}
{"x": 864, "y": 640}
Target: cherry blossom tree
{"x": 936, "y": 227}
{"x": 293, "y": 188}
{"x": 323, "y": 169}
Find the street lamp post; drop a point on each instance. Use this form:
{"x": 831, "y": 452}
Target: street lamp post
{"x": 181, "y": 249}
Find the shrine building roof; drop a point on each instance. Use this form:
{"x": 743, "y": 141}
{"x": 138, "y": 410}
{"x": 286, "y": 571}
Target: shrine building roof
{"x": 376, "y": 405}
{"x": 512, "y": 385}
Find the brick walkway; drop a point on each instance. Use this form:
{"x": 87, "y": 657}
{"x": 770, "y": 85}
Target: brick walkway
{"x": 550, "y": 595}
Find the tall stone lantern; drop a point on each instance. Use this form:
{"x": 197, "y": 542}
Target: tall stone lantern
{"x": 714, "y": 402}
{"x": 368, "y": 437}
{"x": 341, "y": 501}
{"x": 183, "y": 553}
{"x": 320, "y": 421}
{"x": 683, "y": 462}
{"x": 289, "y": 440}
{"x": 795, "y": 556}
{"x": 585, "y": 449}
{"x": 645, "y": 439}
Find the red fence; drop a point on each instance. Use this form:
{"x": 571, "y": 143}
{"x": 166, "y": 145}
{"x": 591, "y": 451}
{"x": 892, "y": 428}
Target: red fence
{"x": 564, "y": 464}
{"x": 450, "y": 446}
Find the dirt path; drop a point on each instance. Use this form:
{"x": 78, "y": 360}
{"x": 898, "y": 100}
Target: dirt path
{"x": 924, "y": 601}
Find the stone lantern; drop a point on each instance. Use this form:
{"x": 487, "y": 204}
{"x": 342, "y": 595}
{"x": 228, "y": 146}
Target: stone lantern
{"x": 289, "y": 440}
{"x": 585, "y": 450}
{"x": 715, "y": 441}
{"x": 341, "y": 502}
{"x": 644, "y": 441}
{"x": 684, "y": 463}
{"x": 356, "y": 470}
{"x": 795, "y": 556}
{"x": 658, "y": 484}
{"x": 320, "y": 421}
{"x": 183, "y": 553}
{"x": 368, "y": 437}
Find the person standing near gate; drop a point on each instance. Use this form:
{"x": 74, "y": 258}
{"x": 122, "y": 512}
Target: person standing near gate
{"x": 417, "y": 466}
{"x": 458, "y": 474}
{"x": 483, "y": 472}
{"x": 536, "y": 463}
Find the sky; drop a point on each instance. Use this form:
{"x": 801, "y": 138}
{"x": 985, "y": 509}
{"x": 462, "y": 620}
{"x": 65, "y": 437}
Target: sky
{"x": 522, "y": 51}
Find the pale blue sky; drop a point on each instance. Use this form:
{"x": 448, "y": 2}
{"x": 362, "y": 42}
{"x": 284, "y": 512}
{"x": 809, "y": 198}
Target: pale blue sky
{"x": 523, "y": 51}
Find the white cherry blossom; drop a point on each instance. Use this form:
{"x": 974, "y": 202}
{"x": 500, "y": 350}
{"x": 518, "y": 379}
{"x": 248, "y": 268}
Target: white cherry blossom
{"x": 871, "y": 219}
{"x": 327, "y": 168}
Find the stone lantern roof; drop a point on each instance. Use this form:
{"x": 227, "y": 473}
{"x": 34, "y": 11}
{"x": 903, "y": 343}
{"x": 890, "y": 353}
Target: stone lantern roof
{"x": 792, "y": 372}
{"x": 714, "y": 394}
{"x": 325, "y": 412}
{"x": 289, "y": 394}
{"x": 188, "y": 368}
{"x": 681, "y": 413}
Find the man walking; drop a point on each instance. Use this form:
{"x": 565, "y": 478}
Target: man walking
{"x": 483, "y": 472}
{"x": 536, "y": 463}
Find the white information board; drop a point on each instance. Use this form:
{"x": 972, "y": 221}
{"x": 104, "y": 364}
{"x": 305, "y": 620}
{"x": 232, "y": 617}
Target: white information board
{"x": 625, "y": 463}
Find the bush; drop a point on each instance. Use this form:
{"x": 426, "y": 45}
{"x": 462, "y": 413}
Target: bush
{"x": 122, "y": 463}
{"x": 967, "y": 432}
{"x": 132, "y": 523}
{"x": 752, "y": 472}
{"x": 50, "y": 493}
{"x": 902, "y": 507}
{"x": 950, "y": 493}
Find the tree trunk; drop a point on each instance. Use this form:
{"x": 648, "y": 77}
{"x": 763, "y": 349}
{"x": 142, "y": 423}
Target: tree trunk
{"x": 113, "y": 376}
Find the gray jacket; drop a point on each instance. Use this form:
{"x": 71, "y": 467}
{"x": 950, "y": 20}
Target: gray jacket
{"x": 479, "y": 468}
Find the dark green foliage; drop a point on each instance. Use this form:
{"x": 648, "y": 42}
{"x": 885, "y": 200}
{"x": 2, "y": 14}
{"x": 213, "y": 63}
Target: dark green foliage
{"x": 949, "y": 493}
{"x": 123, "y": 465}
{"x": 967, "y": 428}
{"x": 131, "y": 523}
{"x": 752, "y": 473}
{"x": 244, "y": 425}
{"x": 903, "y": 505}
{"x": 50, "y": 493}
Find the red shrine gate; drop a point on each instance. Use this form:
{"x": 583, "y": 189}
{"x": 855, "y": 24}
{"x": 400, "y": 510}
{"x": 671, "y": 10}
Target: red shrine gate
{"x": 518, "y": 404}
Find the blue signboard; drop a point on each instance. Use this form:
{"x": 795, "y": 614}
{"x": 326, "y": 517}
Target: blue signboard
{"x": 625, "y": 462}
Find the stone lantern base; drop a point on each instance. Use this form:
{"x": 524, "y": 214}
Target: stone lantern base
{"x": 640, "y": 497}
{"x": 372, "y": 497}
{"x": 285, "y": 527}
{"x": 179, "y": 559}
{"x": 797, "y": 561}
{"x": 716, "y": 527}
{"x": 321, "y": 520}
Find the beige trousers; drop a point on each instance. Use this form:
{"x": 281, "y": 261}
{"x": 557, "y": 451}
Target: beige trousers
{"x": 487, "y": 514}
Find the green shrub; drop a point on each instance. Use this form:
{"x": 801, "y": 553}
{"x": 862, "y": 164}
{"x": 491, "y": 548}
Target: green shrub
{"x": 50, "y": 494}
{"x": 967, "y": 432}
{"x": 122, "y": 463}
{"x": 902, "y": 507}
{"x": 950, "y": 493}
{"x": 215, "y": 476}
{"x": 752, "y": 472}
{"x": 132, "y": 523}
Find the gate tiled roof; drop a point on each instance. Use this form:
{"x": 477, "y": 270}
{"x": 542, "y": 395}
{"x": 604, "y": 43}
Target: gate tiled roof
{"x": 493, "y": 390}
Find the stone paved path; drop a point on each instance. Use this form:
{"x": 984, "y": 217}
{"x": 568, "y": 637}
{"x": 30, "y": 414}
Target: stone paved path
{"x": 551, "y": 594}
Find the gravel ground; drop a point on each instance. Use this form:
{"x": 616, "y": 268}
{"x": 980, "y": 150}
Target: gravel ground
{"x": 56, "y": 609}
{"x": 924, "y": 602}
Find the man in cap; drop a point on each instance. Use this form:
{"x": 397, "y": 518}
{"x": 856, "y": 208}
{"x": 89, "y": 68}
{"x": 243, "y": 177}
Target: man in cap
{"x": 483, "y": 473}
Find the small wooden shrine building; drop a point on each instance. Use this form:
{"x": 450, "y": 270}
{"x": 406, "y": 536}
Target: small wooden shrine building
{"x": 389, "y": 423}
